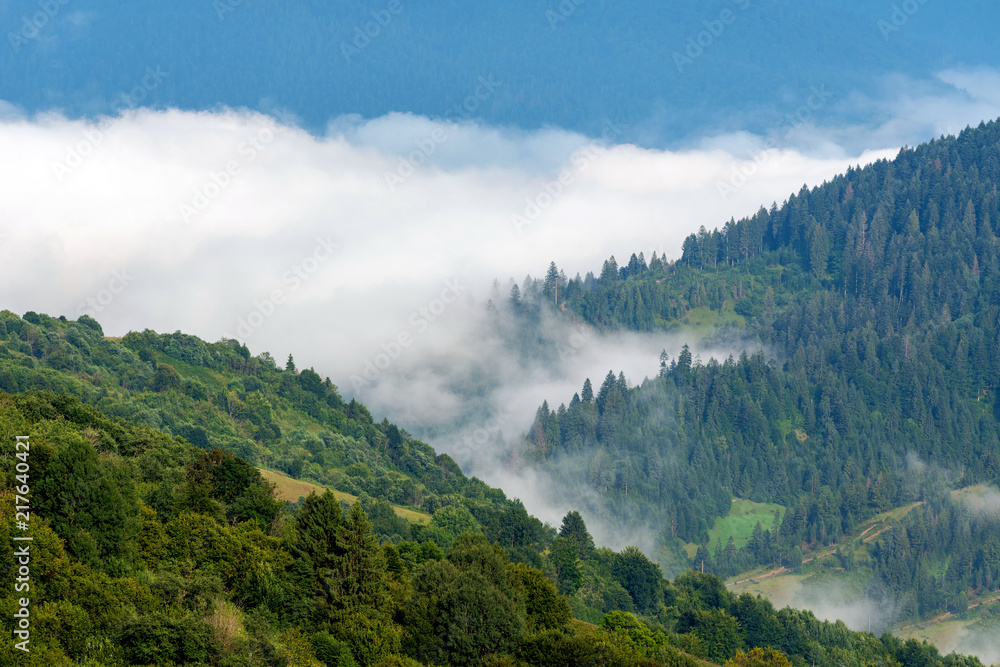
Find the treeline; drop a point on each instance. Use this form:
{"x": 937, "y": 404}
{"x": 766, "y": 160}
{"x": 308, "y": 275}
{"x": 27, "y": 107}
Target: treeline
{"x": 149, "y": 551}
{"x": 644, "y": 297}
{"x": 218, "y": 395}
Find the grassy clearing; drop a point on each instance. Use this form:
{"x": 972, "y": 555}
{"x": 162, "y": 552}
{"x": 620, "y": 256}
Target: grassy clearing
{"x": 936, "y": 631}
{"x": 292, "y": 489}
{"x": 751, "y": 512}
{"x": 973, "y": 632}
{"x": 971, "y": 491}
{"x": 785, "y": 586}
{"x": 822, "y": 585}
{"x": 896, "y": 514}
{"x": 413, "y": 516}
{"x": 826, "y": 592}
{"x": 740, "y": 522}
{"x": 703, "y": 321}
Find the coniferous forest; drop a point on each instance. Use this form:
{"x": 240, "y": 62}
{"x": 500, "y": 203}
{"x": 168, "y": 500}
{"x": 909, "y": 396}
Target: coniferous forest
{"x": 875, "y": 300}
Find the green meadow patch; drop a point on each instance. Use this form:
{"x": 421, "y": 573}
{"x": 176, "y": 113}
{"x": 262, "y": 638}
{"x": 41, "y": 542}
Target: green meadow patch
{"x": 740, "y": 522}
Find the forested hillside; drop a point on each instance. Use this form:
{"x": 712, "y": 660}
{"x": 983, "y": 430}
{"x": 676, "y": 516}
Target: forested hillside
{"x": 146, "y": 550}
{"x": 218, "y": 395}
{"x": 876, "y": 298}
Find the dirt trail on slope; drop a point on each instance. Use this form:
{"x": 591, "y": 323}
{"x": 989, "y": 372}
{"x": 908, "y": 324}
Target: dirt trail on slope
{"x": 783, "y": 569}
{"x": 947, "y": 615}
{"x": 874, "y": 535}
{"x": 772, "y": 573}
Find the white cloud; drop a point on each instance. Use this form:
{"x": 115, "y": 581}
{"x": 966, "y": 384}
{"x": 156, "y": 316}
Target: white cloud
{"x": 124, "y": 206}
{"x": 910, "y": 111}
{"x": 275, "y": 195}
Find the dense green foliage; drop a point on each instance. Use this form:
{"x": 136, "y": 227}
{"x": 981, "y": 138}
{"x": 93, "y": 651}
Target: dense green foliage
{"x": 187, "y": 562}
{"x": 148, "y": 551}
{"x": 877, "y": 299}
{"x": 218, "y": 395}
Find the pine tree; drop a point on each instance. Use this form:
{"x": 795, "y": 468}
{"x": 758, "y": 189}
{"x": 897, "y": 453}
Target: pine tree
{"x": 654, "y": 263}
{"x": 345, "y": 559}
{"x": 609, "y": 271}
{"x": 602, "y": 395}
{"x": 684, "y": 360}
{"x": 515, "y": 298}
{"x": 359, "y": 568}
{"x": 819, "y": 250}
{"x": 574, "y": 528}
{"x": 550, "y": 288}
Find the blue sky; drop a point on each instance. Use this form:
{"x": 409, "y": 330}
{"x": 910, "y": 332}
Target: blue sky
{"x": 667, "y": 70}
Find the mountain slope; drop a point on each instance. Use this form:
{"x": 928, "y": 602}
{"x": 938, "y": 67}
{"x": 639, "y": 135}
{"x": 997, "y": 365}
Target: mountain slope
{"x": 146, "y": 550}
{"x": 217, "y": 395}
{"x": 877, "y": 299}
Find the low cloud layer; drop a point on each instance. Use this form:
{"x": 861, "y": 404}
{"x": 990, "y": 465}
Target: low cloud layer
{"x": 984, "y": 500}
{"x": 368, "y": 253}
{"x": 977, "y": 638}
{"x": 197, "y": 221}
